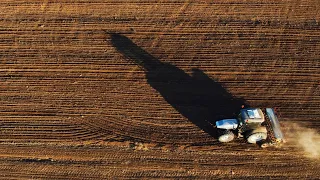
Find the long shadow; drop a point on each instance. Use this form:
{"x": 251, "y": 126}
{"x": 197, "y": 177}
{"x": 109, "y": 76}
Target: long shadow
{"x": 198, "y": 98}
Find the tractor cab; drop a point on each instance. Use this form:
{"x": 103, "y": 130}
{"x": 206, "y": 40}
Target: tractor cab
{"x": 251, "y": 118}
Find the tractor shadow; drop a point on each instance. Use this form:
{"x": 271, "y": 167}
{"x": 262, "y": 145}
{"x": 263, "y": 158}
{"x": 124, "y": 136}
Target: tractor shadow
{"x": 200, "y": 99}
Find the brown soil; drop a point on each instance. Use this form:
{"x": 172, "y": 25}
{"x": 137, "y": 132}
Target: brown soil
{"x": 105, "y": 89}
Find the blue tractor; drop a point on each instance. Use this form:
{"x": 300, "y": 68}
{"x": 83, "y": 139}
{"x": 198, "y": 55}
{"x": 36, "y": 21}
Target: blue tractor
{"x": 254, "y": 125}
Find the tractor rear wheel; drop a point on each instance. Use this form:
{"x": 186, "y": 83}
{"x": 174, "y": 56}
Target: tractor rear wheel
{"x": 257, "y": 135}
{"x": 226, "y": 136}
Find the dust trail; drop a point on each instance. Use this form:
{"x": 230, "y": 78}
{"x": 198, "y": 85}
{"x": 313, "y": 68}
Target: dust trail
{"x": 304, "y": 138}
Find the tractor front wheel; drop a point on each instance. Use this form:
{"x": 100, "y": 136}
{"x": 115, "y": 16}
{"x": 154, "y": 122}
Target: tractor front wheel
{"x": 226, "y": 136}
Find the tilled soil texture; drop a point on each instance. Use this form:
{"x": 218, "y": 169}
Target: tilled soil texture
{"x": 104, "y": 89}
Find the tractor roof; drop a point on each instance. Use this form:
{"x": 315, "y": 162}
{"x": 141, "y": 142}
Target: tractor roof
{"x": 252, "y": 115}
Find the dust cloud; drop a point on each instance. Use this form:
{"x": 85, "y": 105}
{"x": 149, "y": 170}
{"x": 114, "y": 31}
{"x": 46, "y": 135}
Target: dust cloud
{"x": 304, "y": 138}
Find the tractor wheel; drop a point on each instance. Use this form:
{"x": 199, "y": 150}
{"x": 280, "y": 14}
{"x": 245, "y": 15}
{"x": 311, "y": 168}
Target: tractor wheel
{"x": 226, "y": 136}
{"x": 257, "y": 135}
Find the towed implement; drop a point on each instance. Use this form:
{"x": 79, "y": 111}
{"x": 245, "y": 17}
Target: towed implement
{"x": 253, "y": 124}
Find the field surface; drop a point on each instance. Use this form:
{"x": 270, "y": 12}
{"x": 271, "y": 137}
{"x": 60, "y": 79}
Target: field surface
{"x": 122, "y": 89}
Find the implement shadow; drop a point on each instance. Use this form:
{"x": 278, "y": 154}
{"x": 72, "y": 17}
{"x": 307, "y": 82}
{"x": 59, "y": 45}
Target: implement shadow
{"x": 198, "y": 98}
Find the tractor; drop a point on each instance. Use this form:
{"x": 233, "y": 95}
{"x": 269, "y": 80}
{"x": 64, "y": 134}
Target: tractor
{"x": 253, "y": 124}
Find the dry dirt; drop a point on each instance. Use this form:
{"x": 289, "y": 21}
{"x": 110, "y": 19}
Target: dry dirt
{"x": 77, "y": 103}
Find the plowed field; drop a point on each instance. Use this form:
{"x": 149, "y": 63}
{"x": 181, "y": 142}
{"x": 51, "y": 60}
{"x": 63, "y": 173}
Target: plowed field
{"x": 117, "y": 89}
